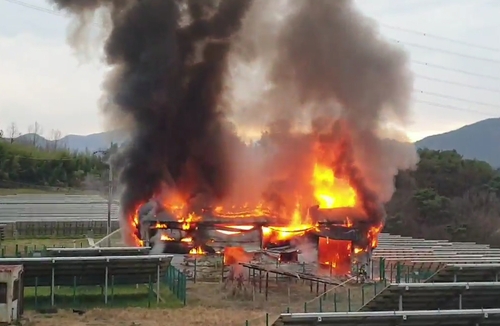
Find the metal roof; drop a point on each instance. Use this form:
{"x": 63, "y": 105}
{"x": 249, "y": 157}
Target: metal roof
{"x": 482, "y": 272}
{"x": 434, "y": 296}
{"x": 486, "y": 317}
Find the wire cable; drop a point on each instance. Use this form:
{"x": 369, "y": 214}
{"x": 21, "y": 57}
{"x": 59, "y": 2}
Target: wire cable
{"x": 34, "y": 7}
{"x": 456, "y": 98}
{"x": 456, "y": 108}
{"x": 493, "y": 90}
{"x": 465, "y": 72}
{"x": 430, "y": 48}
{"x": 53, "y": 12}
{"x": 442, "y": 38}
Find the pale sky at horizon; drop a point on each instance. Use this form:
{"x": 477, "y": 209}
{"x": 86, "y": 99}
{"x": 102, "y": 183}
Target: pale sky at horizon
{"x": 42, "y": 80}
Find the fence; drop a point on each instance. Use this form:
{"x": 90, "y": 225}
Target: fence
{"x": 173, "y": 293}
{"x": 16, "y": 250}
{"x": 85, "y": 297}
{"x": 176, "y": 282}
{"x": 44, "y": 229}
{"x": 343, "y": 297}
{"x": 351, "y": 297}
{"x": 208, "y": 268}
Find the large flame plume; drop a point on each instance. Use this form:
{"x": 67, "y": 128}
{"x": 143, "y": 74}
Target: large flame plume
{"x": 245, "y": 107}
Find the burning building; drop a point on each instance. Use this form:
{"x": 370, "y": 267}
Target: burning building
{"x": 338, "y": 234}
{"x": 275, "y": 120}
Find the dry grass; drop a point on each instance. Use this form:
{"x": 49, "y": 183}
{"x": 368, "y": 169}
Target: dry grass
{"x": 208, "y": 304}
{"x": 215, "y": 296}
{"x": 192, "y": 316}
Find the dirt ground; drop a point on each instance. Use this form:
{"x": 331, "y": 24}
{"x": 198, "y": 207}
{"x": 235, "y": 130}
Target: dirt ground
{"x": 209, "y": 304}
{"x": 192, "y": 316}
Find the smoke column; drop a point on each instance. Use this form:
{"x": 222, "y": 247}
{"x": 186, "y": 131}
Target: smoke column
{"x": 329, "y": 77}
{"x": 168, "y": 60}
{"x": 313, "y": 78}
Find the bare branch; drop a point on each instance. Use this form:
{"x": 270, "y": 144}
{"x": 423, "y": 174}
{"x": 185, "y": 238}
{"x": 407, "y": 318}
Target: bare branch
{"x": 36, "y": 130}
{"x": 13, "y": 132}
{"x": 55, "y": 137}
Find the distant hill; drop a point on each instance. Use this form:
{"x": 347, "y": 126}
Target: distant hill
{"x": 91, "y": 143}
{"x": 480, "y": 140}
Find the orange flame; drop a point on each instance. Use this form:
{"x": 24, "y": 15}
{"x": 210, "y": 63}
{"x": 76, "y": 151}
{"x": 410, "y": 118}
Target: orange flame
{"x": 165, "y": 237}
{"x": 297, "y": 227}
{"x": 197, "y": 251}
{"x": 336, "y": 254}
{"x": 329, "y": 191}
{"x": 235, "y": 255}
{"x": 373, "y": 233}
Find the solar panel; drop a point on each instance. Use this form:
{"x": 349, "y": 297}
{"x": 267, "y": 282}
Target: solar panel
{"x": 96, "y": 270}
{"x": 486, "y": 317}
{"x": 102, "y": 251}
{"x": 473, "y": 272}
{"x": 434, "y": 296}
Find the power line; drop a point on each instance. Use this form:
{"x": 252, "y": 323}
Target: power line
{"x": 456, "y": 98}
{"x": 34, "y": 7}
{"x": 456, "y": 108}
{"x": 442, "y": 38}
{"x": 465, "y": 72}
{"x": 430, "y": 48}
{"x": 493, "y": 90}
{"x": 53, "y": 12}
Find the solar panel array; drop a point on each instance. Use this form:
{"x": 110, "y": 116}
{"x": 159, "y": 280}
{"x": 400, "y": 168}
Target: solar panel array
{"x": 465, "y": 289}
{"x": 54, "y": 207}
{"x": 92, "y": 270}
{"x": 422, "y": 254}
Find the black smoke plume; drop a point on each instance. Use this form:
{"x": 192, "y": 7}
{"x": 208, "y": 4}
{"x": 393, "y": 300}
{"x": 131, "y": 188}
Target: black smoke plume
{"x": 331, "y": 90}
{"x": 168, "y": 59}
{"x": 329, "y": 76}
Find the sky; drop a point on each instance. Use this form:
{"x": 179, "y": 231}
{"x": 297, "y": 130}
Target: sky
{"x": 453, "y": 45}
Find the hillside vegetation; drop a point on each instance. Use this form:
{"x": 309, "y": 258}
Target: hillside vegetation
{"x": 24, "y": 165}
{"x": 475, "y": 141}
{"x": 447, "y": 197}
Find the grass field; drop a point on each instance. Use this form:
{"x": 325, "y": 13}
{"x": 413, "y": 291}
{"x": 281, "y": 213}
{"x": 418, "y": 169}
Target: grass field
{"x": 208, "y": 303}
{"x": 93, "y": 296}
{"x": 37, "y": 191}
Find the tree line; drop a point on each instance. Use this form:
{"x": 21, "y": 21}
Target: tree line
{"x": 447, "y": 197}
{"x": 26, "y": 165}
{"x": 34, "y": 137}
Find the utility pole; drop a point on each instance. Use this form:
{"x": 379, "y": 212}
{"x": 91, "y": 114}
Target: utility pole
{"x": 110, "y": 196}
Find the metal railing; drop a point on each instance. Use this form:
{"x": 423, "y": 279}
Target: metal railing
{"x": 351, "y": 296}
{"x": 176, "y": 282}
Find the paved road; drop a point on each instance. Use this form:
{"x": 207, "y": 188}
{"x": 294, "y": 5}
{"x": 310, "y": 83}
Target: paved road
{"x": 54, "y": 207}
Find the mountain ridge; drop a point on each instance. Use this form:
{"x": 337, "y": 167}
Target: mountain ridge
{"x": 479, "y": 140}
